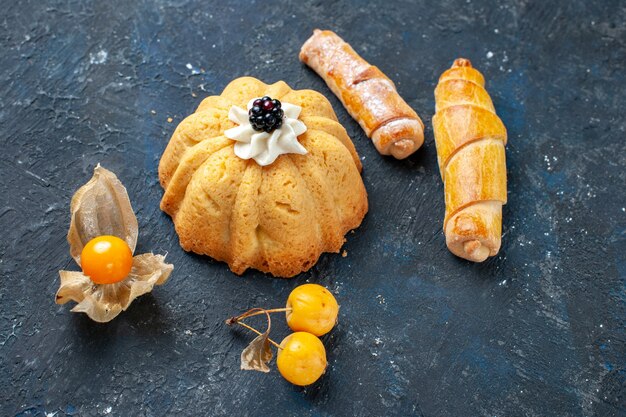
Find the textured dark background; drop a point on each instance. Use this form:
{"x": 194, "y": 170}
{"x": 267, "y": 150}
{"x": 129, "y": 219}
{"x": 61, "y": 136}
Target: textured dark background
{"x": 538, "y": 331}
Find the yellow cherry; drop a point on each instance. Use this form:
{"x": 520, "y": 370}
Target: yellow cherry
{"x": 311, "y": 308}
{"x": 301, "y": 358}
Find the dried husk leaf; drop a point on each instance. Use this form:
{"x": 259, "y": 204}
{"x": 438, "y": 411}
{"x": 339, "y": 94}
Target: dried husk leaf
{"x": 101, "y": 207}
{"x": 257, "y": 354}
{"x": 102, "y": 303}
{"x": 73, "y": 286}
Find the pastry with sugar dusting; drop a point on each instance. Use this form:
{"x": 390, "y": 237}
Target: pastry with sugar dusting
{"x": 367, "y": 94}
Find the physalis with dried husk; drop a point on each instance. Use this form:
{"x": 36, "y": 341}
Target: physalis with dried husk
{"x": 311, "y": 311}
{"x": 102, "y": 237}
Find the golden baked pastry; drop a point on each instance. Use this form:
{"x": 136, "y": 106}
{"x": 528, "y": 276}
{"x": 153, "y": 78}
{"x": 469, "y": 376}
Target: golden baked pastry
{"x": 470, "y": 141}
{"x": 369, "y": 95}
{"x": 278, "y": 218}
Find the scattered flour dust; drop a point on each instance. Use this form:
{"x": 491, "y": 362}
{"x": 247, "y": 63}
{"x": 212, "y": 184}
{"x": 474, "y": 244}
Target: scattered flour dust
{"x": 99, "y": 57}
{"x": 194, "y": 70}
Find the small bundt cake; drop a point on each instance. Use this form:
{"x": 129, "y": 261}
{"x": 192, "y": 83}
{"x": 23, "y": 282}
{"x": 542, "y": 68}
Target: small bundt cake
{"x": 270, "y": 187}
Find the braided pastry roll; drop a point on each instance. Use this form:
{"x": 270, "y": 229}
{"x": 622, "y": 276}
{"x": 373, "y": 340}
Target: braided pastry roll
{"x": 367, "y": 94}
{"x": 470, "y": 141}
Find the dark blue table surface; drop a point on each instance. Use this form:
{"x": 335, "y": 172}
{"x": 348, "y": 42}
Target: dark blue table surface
{"x": 537, "y": 331}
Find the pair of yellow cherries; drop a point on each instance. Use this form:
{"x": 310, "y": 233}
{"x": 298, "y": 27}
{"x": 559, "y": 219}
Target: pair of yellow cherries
{"x": 311, "y": 311}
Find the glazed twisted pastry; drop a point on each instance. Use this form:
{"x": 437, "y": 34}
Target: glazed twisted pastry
{"x": 470, "y": 141}
{"x": 369, "y": 95}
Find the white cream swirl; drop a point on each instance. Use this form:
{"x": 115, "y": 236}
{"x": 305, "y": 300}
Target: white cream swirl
{"x": 265, "y": 147}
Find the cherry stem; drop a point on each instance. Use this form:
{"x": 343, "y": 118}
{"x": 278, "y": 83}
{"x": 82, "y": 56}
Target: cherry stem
{"x": 273, "y": 310}
{"x": 259, "y": 333}
{"x": 253, "y": 312}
